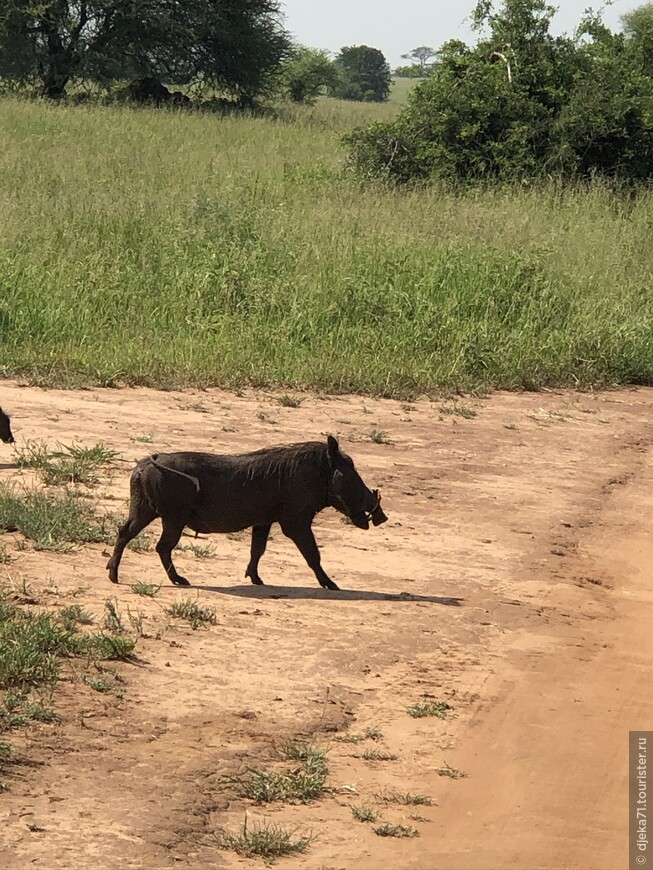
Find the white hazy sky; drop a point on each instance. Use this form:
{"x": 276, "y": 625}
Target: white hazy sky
{"x": 399, "y": 26}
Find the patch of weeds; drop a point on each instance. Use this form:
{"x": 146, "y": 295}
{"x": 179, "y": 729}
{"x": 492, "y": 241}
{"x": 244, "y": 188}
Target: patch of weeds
{"x": 509, "y": 426}
{"x": 368, "y": 734}
{"x": 266, "y": 418}
{"x": 293, "y": 750}
{"x": 229, "y": 429}
{"x": 18, "y": 709}
{"x": 300, "y": 784}
{"x": 52, "y": 522}
{"x": 362, "y": 813}
{"x": 112, "y": 617}
{"x": 379, "y": 437}
{"x": 343, "y": 420}
{"x": 137, "y": 622}
{"x": 73, "y": 464}
{"x": 289, "y": 401}
{"x": 141, "y": 543}
{"x": 458, "y": 410}
{"x": 148, "y": 590}
{"x": 5, "y": 558}
{"x": 143, "y": 439}
{"x": 376, "y": 755}
{"x": 417, "y": 818}
{"x": 439, "y": 709}
{"x": 266, "y": 841}
{"x": 408, "y": 407}
{"x": 192, "y": 613}
{"x": 451, "y": 772}
{"x": 388, "y": 830}
{"x": 74, "y": 615}
{"x": 405, "y": 798}
{"x": 198, "y": 550}
{"x": 111, "y": 646}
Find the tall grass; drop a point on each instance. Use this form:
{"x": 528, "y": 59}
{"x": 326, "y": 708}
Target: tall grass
{"x": 184, "y": 249}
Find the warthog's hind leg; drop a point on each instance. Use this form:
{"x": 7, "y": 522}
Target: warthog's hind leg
{"x": 126, "y": 533}
{"x": 259, "y": 543}
{"x": 304, "y": 539}
{"x": 167, "y": 542}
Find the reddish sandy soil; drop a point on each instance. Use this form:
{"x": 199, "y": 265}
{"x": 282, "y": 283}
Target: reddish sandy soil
{"x": 512, "y": 580}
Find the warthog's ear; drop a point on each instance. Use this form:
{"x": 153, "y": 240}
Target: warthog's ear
{"x": 333, "y": 450}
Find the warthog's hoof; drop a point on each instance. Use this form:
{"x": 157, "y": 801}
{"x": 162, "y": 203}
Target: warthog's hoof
{"x": 180, "y": 581}
{"x": 256, "y": 580}
{"x": 329, "y": 584}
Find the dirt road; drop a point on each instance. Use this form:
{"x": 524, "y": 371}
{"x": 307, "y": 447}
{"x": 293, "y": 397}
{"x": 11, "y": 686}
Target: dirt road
{"x": 512, "y": 581}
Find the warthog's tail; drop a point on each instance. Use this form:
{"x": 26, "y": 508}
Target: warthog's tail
{"x": 166, "y": 468}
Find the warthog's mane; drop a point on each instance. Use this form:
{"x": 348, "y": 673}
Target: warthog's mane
{"x": 283, "y": 461}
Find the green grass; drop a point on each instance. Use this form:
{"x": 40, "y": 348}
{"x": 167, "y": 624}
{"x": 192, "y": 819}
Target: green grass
{"x": 34, "y": 647}
{"x": 147, "y": 590}
{"x": 52, "y": 521}
{"x": 172, "y": 249}
{"x": 266, "y": 841}
{"x": 362, "y": 813}
{"x": 388, "y": 830}
{"x": 439, "y": 709}
{"x": 192, "y": 612}
{"x": 377, "y": 755}
{"x": 302, "y": 783}
{"x": 68, "y": 464}
{"x": 406, "y": 798}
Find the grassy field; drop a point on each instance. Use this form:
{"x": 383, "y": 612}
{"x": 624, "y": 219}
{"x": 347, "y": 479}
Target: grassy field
{"x": 175, "y": 249}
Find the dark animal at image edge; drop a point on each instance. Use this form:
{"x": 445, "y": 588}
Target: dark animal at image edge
{"x": 214, "y": 493}
{"x": 5, "y": 428}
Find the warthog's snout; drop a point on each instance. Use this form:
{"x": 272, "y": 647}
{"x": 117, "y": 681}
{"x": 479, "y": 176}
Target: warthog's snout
{"x": 374, "y": 512}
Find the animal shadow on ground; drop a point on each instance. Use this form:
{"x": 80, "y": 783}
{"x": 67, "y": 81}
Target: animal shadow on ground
{"x": 265, "y": 592}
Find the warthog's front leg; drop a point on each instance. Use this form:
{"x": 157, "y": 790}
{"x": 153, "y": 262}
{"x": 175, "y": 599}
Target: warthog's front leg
{"x": 303, "y": 537}
{"x": 259, "y": 543}
{"x": 167, "y": 542}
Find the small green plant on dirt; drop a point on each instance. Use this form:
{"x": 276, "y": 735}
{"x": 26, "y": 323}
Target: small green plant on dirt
{"x": 200, "y": 551}
{"x": 379, "y": 437}
{"x": 458, "y": 410}
{"x": 451, "y": 772}
{"x": 192, "y": 612}
{"x": 405, "y": 798}
{"x": 289, "y": 401}
{"x": 74, "y": 615}
{"x": 388, "y": 830}
{"x": 439, "y": 709}
{"x": 141, "y": 543}
{"x": 300, "y": 784}
{"x": 148, "y": 590}
{"x": 52, "y": 521}
{"x": 68, "y": 464}
{"x": 142, "y": 439}
{"x": 112, "y": 616}
{"x": 266, "y": 418}
{"x": 368, "y": 734}
{"x": 266, "y": 841}
{"x": 363, "y": 813}
{"x": 377, "y": 755}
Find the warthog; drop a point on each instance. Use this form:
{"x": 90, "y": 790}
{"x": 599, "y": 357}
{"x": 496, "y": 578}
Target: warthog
{"x": 5, "y": 428}
{"x": 210, "y": 493}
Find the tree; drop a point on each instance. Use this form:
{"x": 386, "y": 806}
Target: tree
{"x": 520, "y": 104}
{"x": 234, "y": 45}
{"x": 638, "y": 29}
{"x": 307, "y": 72}
{"x": 421, "y": 56}
{"x": 413, "y": 71}
{"x": 364, "y": 74}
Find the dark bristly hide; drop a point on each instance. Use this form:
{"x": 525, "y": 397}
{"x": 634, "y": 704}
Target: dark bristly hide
{"x": 5, "y": 428}
{"x": 213, "y": 493}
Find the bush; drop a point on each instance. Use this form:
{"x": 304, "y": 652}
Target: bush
{"x": 521, "y": 104}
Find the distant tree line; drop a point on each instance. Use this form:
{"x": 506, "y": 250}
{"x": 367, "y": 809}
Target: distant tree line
{"x": 523, "y": 104}
{"x": 237, "y": 48}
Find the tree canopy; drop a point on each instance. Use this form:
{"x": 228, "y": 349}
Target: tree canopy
{"x": 364, "y": 74}
{"x": 523, "y": 103}
{"x": 233, "y": 45}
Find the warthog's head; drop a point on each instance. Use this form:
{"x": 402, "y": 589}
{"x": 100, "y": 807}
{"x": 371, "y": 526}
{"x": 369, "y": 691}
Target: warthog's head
{"x": 347, "y": 492}
{"x": 5, "y": 428}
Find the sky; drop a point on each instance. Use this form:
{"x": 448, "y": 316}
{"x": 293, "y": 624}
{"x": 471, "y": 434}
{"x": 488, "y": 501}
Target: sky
{"x": 399, "y": 26}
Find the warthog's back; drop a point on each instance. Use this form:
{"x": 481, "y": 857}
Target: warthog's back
{"x": 221, "y": 493}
